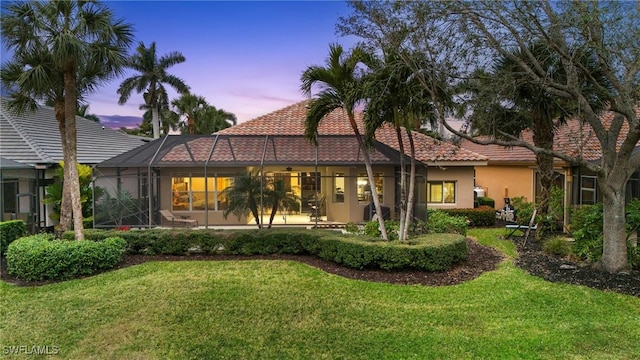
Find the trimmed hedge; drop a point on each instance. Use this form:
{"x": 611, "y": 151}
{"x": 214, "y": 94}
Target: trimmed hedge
{"x": 40, "y": 257}
{"x": 10, "y": 231}
{"x": 434, "y": 252}
{"x": 486, "y": 201}
{"x": 480, "y": 216}
{"x": 440, "y": 222}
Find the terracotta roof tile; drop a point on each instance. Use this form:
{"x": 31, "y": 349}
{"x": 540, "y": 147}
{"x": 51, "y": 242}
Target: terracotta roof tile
{"x": 290, "y": 121}
{"x": 573, "y": 138}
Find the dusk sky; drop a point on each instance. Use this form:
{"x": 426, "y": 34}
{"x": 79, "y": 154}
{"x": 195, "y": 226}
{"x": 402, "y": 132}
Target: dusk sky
{"x": 245, "y": 57}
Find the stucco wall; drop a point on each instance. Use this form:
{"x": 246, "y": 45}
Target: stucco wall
{"x": 463, "y": 176}
{"x": 505, "y": 181}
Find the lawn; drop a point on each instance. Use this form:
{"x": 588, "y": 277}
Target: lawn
{"x": 283, "y": 309}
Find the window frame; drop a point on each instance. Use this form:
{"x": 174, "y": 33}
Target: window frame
{"x": 442, "y": 183}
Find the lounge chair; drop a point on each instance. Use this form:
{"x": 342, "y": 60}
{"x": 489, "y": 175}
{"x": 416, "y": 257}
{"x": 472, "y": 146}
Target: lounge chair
{"x": 169, "y": 216}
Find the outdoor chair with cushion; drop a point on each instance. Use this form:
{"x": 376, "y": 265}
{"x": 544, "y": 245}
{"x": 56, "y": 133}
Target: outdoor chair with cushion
{"x": 527, "y": 228}
{"x": 173, "y": 219}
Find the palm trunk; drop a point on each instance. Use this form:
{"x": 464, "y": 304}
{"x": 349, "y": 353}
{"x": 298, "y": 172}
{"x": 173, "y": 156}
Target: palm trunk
{"x": 155, "y": 121}
{"x": 412, "y": 185}
{"x": 614, "y": 254}
{"x": 543, "y": 138}
{"x": 191, "y": 124}
{"x": 70, "y": 147}
{"x": 403, "y": 187}
{"x": 274, "y": 209}
{"x": 65, "y": 205}
{"x": 367, "y": 163}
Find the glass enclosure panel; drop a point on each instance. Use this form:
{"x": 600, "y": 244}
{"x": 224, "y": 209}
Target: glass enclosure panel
{"x": 338, "y": 187}
{"x": 364, "y": 189}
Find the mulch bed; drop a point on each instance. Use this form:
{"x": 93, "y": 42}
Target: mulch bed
{"x": 480, "y": 259}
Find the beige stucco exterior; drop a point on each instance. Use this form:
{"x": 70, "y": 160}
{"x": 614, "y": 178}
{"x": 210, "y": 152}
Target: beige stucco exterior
{"x": 501, "y": 181}
{"x": 350, "y": 210}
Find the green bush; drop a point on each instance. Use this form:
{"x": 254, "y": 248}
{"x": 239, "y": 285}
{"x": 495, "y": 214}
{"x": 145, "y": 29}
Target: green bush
{"x": 372, "y": 229}
{"x": 440, "y": 222}
{"x": 430, "y": 252}
{"x": 524, "y": 210}
{"x": 486, "y": 201}
{"x": 586, "y": 229}
{"x": 481, "y": 216}
{"x": 87, "y": 222}
{"x": 557, "y": 245}
{"x": 10, "y": 231}
{"x": 40, "y": 257}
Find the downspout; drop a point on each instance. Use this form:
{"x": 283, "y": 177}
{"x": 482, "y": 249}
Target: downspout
{"x": 264, "y": 153}
{"x": 206, "y": 183}
{"x": 149, "y": 186}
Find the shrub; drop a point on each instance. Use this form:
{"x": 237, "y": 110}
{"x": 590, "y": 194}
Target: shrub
{"x": 481, "y": 216}
{"x": 586, "y": 227}
{"x": 440, "y": 222}
{"x": 372, "y": 229}
{"x": 486, "y": 201}
{"x": 430, "y": 252}
{"x": 10, "y": 231}
{"x": 557, "y": 245}
{"x": 524, "y": 210}
{"x": 40, "y": 257}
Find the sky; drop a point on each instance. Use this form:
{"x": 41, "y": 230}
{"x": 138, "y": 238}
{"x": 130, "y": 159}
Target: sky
{"x": 245, "y": 57}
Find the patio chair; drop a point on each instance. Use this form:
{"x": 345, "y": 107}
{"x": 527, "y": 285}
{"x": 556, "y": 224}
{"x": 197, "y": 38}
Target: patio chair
{"x": 528, "y": 228}
{"x": 169, "y": 216}
{"x": 317, "y": 207}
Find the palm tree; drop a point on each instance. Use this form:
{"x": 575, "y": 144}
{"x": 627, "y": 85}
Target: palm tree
{"x": 62, "y": 50}
{"x": 151, "y": 79}
{"x": 396, "y": 97}
{"x": 244, "y": 196}
{"x": 340, "y": 87}
{"x": 277, "y": 196}
{"x": 210, "y": 120}
{"x": 82, "y": 112}
{"x": 189, "y": 106}
{"x": 522, "y": 104}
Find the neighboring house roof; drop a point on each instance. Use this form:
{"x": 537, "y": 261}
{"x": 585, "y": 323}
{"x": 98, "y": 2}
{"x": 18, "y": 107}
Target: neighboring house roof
{"x": 34, "y": 138}
{"x": 574, "y": 138}
{"x": 8, "y": 164}
{"x": 291, "y": 121}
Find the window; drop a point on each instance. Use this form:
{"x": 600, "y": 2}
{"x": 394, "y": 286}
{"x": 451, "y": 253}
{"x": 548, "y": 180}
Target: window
{"x": 9, "y": 194}
{"x": 588, "y": 190}
{"x": 338, "y": 187}
{"x": 441, "y": 192}
{"x": 364, "y": 189}
{"x": 195, "y": 192}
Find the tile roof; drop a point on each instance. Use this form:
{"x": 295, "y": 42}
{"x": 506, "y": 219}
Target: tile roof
{"x": 34, "y": 138}
{"x": 573, "y": 138}
{"x": 290, "y": 121}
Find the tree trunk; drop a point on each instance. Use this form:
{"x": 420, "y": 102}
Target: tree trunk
{"x": 543, "y": 138}
{"x": 66, "y": 211}
{"x": 614, "y": 253}
{"x": 70, "y": 147}
{"x": 191, "y": 124}
{"x": 367, "y": 163}
{"x": 155, "y": 121}
{"x": 412, "y": 185}
{"x": 274, "y": 209}
{"x": 402, "y": 234}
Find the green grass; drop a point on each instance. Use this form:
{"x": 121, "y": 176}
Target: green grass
{"x": 282, "y": 309}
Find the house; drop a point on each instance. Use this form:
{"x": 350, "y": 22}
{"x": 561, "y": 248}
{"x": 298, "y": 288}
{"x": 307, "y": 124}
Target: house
{"x": 187, "y": 174}
{"x": 30, "y": 151}
{"x": 512, "y": 171}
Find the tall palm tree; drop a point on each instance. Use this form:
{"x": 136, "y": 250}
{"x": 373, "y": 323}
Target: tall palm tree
{"x": 277, "y": 196}
{"x": 340, "y": 88}
{"x": 395, "y": 97}
{"x": 62, "y": 50}
{"x": 151, "y": 79}
{"x": 189, "y": 106}
{"x": 522, "y": 104}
